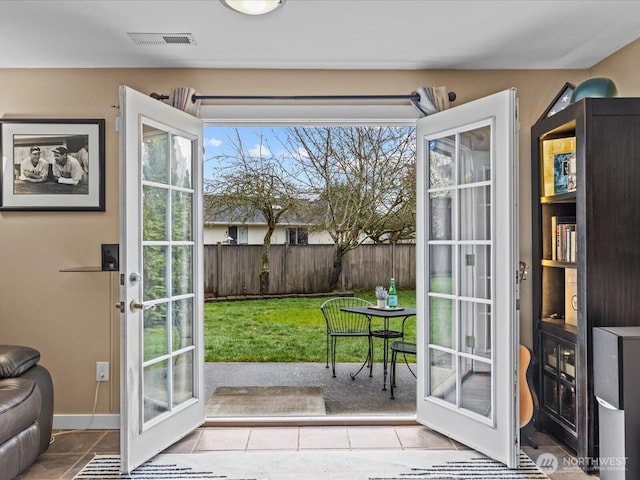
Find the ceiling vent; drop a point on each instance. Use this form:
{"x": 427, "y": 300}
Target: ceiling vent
{"x": 162, "y": 38}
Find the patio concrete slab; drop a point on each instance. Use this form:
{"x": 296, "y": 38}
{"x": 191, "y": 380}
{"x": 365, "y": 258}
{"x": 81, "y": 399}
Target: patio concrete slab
{"x": 342, "y": 395}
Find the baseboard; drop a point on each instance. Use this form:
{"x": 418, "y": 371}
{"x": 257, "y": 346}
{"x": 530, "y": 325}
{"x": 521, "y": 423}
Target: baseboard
{"x": 86, "y": 422}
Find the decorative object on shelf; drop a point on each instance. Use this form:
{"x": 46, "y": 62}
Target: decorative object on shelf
{"x": 560, "y": 101}
{"x": 559, "y": 165}
{"x": 597, "y": 87}
{"x": 381, "y": 296}
{"x": 52, "y": 164}
{"x": 571, "y": 296}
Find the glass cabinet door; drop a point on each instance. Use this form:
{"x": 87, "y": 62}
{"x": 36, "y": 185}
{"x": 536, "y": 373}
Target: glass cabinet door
{"x": 559, "y": 388}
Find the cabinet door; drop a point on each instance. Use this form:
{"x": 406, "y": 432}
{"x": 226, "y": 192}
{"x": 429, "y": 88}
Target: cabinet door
{"x": 467, "y": 246}
{"x": 559, "y": 383}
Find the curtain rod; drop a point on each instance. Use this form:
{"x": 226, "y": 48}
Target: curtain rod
{"x": 194, "y": 97}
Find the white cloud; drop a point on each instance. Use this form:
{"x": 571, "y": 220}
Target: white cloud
{"x": 259, "y": 151}
{"x": 302, "y": 153}
{"x": 212, "y": 142}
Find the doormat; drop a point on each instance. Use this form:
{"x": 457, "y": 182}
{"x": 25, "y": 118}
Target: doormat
{"x": 316, "y": 465}
{"x": 265, "y": 402}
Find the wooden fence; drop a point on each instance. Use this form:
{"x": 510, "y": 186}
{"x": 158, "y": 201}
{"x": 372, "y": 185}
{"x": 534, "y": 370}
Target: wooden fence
{"x": 233, "y": 270}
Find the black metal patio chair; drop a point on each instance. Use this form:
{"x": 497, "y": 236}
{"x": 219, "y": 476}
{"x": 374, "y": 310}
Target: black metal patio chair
{"x": 405, "y": 348}
{"x": 348, "y": 325}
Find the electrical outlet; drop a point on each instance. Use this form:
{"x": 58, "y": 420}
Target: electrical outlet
{"x": 102, "y": 371}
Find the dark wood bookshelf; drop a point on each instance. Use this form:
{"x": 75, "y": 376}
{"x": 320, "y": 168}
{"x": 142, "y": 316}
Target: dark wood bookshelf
{"x": 605, "y": 205}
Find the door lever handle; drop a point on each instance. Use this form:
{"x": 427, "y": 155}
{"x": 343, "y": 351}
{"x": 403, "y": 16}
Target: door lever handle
{"x": 133, "y": 306}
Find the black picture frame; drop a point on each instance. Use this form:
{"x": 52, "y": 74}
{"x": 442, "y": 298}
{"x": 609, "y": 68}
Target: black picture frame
{"x": 63, "y": 187}
{"x": 560, "y": 101}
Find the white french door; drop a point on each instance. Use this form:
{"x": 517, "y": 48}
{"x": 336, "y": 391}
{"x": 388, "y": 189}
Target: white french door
{"x": 467, "y": 254}
{"x": 162, "y": 394}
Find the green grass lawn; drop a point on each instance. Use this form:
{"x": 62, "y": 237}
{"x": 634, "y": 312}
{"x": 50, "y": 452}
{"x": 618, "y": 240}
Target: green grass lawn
{"x": 282, "y": 330}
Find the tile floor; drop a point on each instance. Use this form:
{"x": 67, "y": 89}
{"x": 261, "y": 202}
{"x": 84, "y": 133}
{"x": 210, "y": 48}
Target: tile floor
{"x": 70, "y": 451}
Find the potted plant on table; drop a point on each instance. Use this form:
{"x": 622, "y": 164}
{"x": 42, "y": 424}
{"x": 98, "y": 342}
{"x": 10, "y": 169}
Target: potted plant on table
{"x": 381, "y": 295}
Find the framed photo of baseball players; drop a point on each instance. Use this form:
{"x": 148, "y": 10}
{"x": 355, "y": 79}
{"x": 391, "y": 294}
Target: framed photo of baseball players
{"x": 52, "y": 164}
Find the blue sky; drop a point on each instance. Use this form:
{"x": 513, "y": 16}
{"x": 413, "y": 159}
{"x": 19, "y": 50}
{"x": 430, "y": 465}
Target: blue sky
{"x": 220, "y": 140}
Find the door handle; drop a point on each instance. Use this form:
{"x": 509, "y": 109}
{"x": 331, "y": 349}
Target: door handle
{"x": 133, "y": 306}
{"x": 120, "y": 307}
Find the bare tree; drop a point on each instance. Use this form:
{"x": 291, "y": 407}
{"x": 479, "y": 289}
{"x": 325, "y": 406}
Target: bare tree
{"x": 363, "y": 180}
{"x": 248, "y": 183}
{"x": 402, "y": 225}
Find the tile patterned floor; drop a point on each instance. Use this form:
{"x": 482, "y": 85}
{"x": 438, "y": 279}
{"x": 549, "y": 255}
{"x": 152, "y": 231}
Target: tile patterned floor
{"x": 70, "y": 451}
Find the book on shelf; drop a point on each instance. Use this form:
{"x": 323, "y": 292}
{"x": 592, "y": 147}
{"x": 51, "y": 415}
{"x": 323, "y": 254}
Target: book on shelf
{"x": 563, "y": 238}
{"x": 559, "y": 165}
{"x": 571, "y": 296}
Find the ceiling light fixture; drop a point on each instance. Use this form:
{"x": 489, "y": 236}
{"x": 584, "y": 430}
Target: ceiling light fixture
{"x": 253, "y": 7}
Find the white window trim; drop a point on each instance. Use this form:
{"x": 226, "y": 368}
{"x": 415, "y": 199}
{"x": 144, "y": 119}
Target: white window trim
{"x": 308, "y": 114}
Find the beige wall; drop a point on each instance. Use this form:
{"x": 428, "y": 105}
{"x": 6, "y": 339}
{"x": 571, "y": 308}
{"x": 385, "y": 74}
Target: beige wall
{"x": 70, "y": 317}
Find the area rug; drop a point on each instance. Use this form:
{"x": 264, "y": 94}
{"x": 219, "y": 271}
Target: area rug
{"x": 265, "y": 401}
{"x": 316, "y": 465}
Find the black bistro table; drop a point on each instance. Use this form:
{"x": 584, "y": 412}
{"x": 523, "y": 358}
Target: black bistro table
{"x": 385, "y": 333}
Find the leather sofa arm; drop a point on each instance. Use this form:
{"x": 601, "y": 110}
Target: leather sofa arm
{"x": 17, "y": 359}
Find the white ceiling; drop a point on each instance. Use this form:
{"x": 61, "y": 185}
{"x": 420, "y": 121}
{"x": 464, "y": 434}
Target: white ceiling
{"x": 323, "y": 34}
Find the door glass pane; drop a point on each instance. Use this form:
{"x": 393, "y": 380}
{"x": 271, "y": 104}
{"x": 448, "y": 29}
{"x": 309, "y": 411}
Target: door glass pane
{"x": 154, "y": 213}
{"x": 182, "y": 270}
{"x": 441, "y": 322}
{"x": 475, "y": 155}
{"x": 475, "y": 271}
{"x": 440, "y": 269}
{"x": 156, "y": 390}
{"x": 155, "y": 155}
{"x": 181, "y": 216}
{"x": 181, "y": 155}
{"x": 155, "y": 332}
{"x": 476, "y": 386}
{"x": 182, "y": 324}
{"x": 183, "y": 377}
{"x": 155, "y": 272}
{"x": 440, "y": 209}
{"x": 475, "y": 329}
{"x": 442, "y": 162}
{"x": 475, "y": 213}
{"x": 442, "y": 374}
